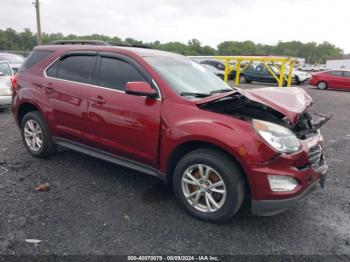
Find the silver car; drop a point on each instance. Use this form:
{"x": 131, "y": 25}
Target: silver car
{"x": 14, "y": 60}
{"x": 5, "y": 84}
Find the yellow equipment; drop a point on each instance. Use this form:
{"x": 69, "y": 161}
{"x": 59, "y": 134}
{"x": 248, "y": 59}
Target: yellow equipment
{"x": 237, "y": 61}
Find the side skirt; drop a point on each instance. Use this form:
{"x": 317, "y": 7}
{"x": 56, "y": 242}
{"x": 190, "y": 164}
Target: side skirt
{"x": 108, "y": 157}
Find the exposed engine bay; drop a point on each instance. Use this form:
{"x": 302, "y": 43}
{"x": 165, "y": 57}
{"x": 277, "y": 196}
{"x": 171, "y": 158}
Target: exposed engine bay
{"x": 239, "y": 106}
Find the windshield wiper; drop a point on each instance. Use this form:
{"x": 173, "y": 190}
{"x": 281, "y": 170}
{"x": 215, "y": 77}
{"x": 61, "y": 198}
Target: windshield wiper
{"x": 221, "y": 91}
{"x": 194, "y": 94}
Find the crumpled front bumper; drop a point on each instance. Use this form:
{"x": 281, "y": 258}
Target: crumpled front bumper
{"x": 273, "y": 207}
{"x": 308, "y": 167}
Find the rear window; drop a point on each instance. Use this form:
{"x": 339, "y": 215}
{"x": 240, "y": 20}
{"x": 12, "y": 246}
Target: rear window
{"x": 34, "y": 58}
{"x": 347, "y": 74}
{"x": 5, "y": 69}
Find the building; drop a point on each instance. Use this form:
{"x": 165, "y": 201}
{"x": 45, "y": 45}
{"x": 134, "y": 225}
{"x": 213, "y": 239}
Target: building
{"x": 343, "y": 63}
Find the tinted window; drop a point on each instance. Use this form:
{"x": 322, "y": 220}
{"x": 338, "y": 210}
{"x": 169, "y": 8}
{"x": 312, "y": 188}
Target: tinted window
{"x": 52, "y": 71}
{"x": 78, "y": 68}
{"x": 335, "y": 73}
{"x": 34, "y": 58}
{"x": 116, "y": 73}
{"x": 346, "y": 74}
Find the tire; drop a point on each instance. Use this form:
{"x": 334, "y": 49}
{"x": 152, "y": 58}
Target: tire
{"x": 297, "y": 81}
{"x": 221, "y": 168}
{"x": 322, "y": 85}
{"x": 35, "y": 121}
{"x": 243, "y": 79}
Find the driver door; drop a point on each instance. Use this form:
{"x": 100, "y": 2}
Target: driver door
{"x": 123, "y": 124}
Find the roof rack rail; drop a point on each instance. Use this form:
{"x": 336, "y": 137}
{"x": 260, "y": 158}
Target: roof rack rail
{"x": 78, "y": 42}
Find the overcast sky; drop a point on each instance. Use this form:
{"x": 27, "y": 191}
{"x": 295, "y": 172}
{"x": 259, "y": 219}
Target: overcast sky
{"x": 210, "y": 21}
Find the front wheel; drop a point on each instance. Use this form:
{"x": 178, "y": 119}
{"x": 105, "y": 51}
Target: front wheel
{"x": 209, "y": 184}
{"x": 322, "y": 85}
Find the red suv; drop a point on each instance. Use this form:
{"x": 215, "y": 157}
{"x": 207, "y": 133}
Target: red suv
{"x": 165, "y": 115}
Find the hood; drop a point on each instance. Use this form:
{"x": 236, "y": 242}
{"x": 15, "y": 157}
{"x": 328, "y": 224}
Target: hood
{"x": 289, "y": 101}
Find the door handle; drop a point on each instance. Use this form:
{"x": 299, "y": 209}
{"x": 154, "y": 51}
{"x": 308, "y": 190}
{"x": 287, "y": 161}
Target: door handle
{"x": 98, "y": 100}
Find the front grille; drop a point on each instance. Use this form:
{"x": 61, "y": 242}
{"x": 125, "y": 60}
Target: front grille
{"x": 316, "y": 157}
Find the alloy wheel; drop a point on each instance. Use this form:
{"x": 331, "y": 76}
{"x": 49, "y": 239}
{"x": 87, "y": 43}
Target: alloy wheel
{"x": 203, "y": 188}
{"x": 33, "y": 135}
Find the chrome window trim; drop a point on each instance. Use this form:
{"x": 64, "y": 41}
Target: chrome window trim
{"x": 91, "y": 85}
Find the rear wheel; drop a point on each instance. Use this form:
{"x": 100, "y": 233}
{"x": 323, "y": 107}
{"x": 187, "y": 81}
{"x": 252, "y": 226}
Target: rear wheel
{"x": 322, "y": 85}
{"x": 209, "y": 185}
{"x": 35, "y": 135}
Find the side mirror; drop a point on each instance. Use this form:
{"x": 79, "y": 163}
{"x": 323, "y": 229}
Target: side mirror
{"x": 1, "y": 73}
{"x": 140, "y": 89}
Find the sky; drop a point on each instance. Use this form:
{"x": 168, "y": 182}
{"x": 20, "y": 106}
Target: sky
{"x": 209, "y": 21}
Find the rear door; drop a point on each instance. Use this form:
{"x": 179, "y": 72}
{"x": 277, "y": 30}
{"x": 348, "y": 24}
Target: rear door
{"x": 68, "y": 81}
{"x": 335, "y": 79}
{"x": 346, "y": 80}
{"x": 120, "y": 123}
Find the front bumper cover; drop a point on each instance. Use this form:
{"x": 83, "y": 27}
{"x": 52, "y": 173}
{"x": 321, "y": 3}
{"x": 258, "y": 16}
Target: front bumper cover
{"x": 273, "y": 207}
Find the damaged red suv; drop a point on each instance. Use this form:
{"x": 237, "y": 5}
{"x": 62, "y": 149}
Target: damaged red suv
{"x": 165, "y": 115}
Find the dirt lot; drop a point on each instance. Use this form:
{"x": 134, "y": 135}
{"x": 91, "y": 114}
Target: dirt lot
{"x": 94, "y": 207}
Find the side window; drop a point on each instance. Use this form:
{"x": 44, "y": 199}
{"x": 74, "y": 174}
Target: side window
{"x": 346, "y": 74}
{"x": 115, "y": 73}
{"x": 52, "y": 70}
{"x": 78, "y": 68}
{"x": 335, "y": 73}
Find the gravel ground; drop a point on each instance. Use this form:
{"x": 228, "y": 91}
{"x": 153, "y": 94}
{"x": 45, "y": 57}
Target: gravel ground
{"x": 94, "y": 207}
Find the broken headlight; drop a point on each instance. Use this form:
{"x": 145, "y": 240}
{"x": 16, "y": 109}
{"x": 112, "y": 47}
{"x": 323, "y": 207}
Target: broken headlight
{"x": 280, "y": 138}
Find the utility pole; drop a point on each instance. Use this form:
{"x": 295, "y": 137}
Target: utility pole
{"x": 38, "y": 23}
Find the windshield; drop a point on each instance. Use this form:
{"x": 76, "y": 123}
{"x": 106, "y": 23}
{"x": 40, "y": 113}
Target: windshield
{"x": 5, "y": 69}
{"x": 14, "y": 59}
{"x": 186, "y": 76}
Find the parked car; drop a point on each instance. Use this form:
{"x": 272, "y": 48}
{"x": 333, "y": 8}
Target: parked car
{"x": 219, "y": 66}
{"x": 217, "y": 72}
{"x": 14, "y": 60}
{"x": 165, "y": 115}
{"x": 299, "y": 76}
{"x": 5, "y": 84}
{"x": 333, "y": 79}
{"x": 260, "y": 73}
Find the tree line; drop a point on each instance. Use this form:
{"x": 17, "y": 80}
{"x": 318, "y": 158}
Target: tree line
{"x": 312, "y": 52}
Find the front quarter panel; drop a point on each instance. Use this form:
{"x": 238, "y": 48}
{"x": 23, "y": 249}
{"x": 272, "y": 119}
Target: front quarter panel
{"x": 184, "y": 123}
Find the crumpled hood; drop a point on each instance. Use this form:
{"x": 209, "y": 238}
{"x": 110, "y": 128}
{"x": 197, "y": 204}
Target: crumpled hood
{"x": 290, "y": 101}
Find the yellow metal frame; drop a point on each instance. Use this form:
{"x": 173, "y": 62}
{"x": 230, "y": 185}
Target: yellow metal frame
{"x": 265, "y": 61}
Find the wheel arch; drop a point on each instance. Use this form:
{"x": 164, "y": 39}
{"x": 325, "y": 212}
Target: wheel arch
{"x": 189, "y": 146}
{"x": 23, "y": 109}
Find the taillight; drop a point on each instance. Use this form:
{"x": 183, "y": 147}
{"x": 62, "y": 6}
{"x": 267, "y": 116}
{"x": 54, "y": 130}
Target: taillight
{"x": 13, "y": 83}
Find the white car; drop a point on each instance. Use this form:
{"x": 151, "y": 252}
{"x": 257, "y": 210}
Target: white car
{"x": 5, "y": 84}
{"x": 298, "y": 76}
